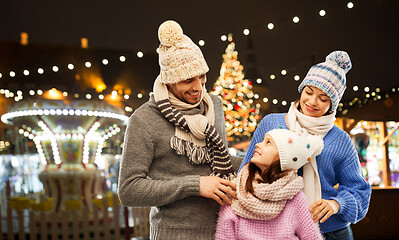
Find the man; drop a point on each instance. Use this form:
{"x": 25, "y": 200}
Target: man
{"x": 175, "y": 154}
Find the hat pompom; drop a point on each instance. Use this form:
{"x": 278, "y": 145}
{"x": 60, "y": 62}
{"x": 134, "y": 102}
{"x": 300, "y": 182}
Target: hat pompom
{"x": 316, "y": 144}
{"x": 169, "y": 33}
{"x": 341, "y": 58}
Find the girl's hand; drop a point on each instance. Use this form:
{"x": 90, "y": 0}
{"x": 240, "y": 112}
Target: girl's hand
{"x": 324, "y": 208}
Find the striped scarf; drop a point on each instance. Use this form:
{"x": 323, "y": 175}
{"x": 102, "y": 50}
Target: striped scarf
{"x": 195, "y": 135}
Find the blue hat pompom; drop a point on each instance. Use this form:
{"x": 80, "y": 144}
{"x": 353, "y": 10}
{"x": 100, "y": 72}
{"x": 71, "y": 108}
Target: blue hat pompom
{"x": 341, "y": 58}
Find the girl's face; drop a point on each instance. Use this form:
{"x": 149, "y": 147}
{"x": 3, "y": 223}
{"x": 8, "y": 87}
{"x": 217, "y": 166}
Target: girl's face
{"x": 314, "y": 102}
{"x": 265, "y": 153}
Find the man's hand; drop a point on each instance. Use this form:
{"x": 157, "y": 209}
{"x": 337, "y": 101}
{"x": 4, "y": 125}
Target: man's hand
{"x": 217, "y": 188}
{"x": 324, "y": 208}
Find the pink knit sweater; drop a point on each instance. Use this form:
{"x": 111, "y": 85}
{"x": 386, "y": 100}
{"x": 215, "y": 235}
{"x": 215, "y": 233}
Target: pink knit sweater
{"x": 294, "y": 222}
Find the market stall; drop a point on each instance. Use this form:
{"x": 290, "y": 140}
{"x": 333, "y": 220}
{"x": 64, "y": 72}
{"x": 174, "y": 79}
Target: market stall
{"x": 373, "y": 124}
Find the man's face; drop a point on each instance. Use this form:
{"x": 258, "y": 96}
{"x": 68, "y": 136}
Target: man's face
{"x": 190, "y": 90}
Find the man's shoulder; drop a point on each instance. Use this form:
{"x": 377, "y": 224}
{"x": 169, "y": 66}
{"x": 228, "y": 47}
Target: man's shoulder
{"x": 215, "y": 98}
{"x": 147, "y": 109}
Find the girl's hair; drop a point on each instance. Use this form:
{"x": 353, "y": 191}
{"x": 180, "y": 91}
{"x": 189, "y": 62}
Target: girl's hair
{"x": 271, "y": 174}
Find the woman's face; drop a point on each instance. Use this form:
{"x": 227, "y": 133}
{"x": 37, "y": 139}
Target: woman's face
{"x": 314, "y": 102}
{"x": 265, "y": 153}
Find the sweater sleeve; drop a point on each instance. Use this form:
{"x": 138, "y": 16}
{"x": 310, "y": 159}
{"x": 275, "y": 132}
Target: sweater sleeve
{"x": 354, "y": 191}
{"x": 135, "y": 187}
{"x": 305, "y": 228}
{"x": 225, "y": 228}
{"x": 258, "y": 136}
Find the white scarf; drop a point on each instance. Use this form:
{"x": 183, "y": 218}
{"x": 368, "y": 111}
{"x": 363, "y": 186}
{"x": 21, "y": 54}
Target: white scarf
{"x": 305, "y": 125}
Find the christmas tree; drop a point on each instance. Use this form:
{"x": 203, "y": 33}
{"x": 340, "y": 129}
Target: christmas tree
{"x": 241, "y": 113}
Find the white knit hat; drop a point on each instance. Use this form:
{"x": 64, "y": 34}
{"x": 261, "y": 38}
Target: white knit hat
{"x": 294, "y": 150}
{"x": 329, "y": 76}
{"x": 179, "y": 58}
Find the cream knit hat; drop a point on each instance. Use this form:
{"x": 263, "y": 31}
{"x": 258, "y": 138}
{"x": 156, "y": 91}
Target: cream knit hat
{"x": 294, "y": 150}
{"x": 179, "y": 58}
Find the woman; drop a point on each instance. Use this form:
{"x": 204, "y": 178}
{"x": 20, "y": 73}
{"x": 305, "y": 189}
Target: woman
{"x": 314, "y": 113}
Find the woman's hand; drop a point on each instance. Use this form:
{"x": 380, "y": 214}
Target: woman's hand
{"x": 218, "y": 189}
{"x": 324, "y": 208}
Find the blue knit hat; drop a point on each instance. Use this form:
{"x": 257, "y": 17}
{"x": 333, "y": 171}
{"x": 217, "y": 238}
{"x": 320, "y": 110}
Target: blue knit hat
{"x": 329, "y": 76}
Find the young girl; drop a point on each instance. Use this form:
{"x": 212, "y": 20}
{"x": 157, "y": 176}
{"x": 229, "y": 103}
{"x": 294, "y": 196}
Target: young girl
{"x": 314, "y": 113}
{"x": 270, "y": 203}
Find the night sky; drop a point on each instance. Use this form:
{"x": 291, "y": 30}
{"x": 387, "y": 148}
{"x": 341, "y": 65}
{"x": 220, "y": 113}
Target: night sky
{"x": 368, "y": 32}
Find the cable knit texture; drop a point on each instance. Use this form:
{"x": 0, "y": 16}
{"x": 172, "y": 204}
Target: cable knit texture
{"x": 268, "y": 200}
{"x": 152, "y": 174}
{"x": 293, "y": 222}
{"x": 337, "y": 163}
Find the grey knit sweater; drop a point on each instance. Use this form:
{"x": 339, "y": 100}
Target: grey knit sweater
{"x": 152, "y": 174}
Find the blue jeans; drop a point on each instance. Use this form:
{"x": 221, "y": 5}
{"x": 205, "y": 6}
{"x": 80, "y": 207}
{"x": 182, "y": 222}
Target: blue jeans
{"x": 340, "y": 234}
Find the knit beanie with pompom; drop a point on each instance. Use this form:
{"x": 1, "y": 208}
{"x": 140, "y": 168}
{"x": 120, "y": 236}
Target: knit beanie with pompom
{"x": 294, "y": 150}
{"x": 329, "y": 76}
{"x": 179, "y": 58}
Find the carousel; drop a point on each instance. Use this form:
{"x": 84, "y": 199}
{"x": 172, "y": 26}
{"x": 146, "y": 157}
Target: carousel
{"x": 69, "y": 137}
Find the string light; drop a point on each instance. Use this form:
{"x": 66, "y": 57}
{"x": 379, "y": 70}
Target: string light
{"x": 223, "y": 38}
{"x": 140, "y": 54}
